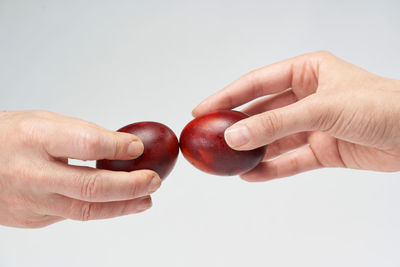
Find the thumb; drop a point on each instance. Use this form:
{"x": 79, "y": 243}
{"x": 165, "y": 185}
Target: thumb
{"x": 269, "y": 126}
{"x": 92, "y": 143}
{"x": 122, "y": 146}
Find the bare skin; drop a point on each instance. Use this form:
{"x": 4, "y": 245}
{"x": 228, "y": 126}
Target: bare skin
{"x": 38, "y": 187}
{"x": 317, "y": 111}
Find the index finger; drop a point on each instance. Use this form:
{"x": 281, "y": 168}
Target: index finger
{"x": 299, "y": 72}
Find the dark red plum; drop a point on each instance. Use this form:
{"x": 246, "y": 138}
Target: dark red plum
{"x": 203, "y": 144}
{"x": 161, "y": 149}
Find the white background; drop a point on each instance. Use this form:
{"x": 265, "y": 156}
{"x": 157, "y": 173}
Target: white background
{"x": 117, "y": 62}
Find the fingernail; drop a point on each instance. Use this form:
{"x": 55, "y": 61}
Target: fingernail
{"x": 154, "y": 184}
{"x": 237, "y": 136}
{"x": 135, "y": 148}
{"x": 144, "y": 204}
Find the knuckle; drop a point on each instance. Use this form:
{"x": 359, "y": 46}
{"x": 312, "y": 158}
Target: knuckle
{"x": 117, "y": 145}
{"x": 315, "y": 112}
{"x": 89, "y": 142}
{"x": 30, "y": 126}
{"x": 271, "y": 124}
{"x": 134, "y": 189}
{"x": 322, "y": 54}
{"x": 294, "y": 163}
{"x": 253, "y": 79}
{"x": 86, "y": 212}
{"x": 91, "y": 186}
{"x": 28, "y": 130}
{"x": 322, "y": 116}
{"x": 227, "y": 98}
{"x": 125, "y": 208}
{"x": 144, "y": 179}
{"x": 273, "y": 171}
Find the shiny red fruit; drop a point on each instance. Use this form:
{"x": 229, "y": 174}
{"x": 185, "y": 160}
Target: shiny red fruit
{"x": 161, "y": 149}
{"x": 203, "y": 144}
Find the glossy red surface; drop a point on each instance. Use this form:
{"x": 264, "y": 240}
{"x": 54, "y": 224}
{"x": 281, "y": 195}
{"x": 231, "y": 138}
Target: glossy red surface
{"x": 203, "y": 144}
{"x": 161, "y": 149}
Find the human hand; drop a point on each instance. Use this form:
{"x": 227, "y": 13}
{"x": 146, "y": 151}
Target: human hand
{"x": 38, "y": 187}
{"x": 322, "y": 110}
